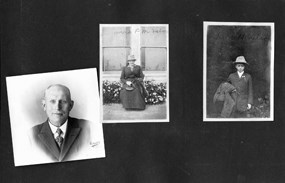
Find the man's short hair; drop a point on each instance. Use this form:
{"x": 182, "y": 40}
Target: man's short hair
{"x": 58, "y": 85}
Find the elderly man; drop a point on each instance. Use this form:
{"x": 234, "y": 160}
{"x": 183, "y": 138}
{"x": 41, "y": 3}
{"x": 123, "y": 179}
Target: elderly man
{"x": 60, "y": 137}
{"x": 243, "y": 83}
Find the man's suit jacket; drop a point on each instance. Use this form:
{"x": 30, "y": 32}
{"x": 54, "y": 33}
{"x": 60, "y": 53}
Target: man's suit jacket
{"x": 244, "y": 94}
{"x": 77, "y": 137}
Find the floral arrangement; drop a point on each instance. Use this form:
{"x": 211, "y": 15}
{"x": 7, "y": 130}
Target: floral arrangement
{"x": 111, "y": 92}
{"x": 262, "y": 108}
{"x": 156, "y": 92}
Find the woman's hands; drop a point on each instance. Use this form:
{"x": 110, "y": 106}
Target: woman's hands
{"x": 135, "y": 79}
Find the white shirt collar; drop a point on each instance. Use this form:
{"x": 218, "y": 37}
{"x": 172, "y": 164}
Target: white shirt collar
{"x": 62, "y": 127}
{"x": 240, "y": 73}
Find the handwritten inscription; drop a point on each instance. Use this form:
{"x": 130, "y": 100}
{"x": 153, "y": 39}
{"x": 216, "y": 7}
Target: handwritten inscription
{"x": 123, "y": 32}
{"x": 243, "y": 36}
{"x": 143, "y": 31}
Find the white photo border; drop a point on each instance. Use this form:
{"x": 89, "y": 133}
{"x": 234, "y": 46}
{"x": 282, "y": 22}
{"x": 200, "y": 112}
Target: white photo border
{"x": 24, "y": 95}
{"x": 205, "y": 31}
{"x": 101, "y": 76}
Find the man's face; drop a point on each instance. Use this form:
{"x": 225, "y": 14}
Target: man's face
{"x": 57, "y": 104}
{"x": 240, "y": 67}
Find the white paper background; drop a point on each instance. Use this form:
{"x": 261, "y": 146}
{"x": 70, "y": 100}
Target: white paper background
{"x": 24, "y": 97}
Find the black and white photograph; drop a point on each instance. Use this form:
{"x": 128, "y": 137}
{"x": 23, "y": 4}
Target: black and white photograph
{"x": 238, "y": 71}
{"x": 134, "y": 73}
{"x": 55, "y": 117}
{"x": 145, "y": 91}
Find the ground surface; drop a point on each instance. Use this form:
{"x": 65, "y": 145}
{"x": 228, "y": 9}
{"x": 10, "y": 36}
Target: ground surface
{"x": 117, "y": 112}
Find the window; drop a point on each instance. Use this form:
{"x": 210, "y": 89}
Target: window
{"x": 115, "y": 58}
{"x": 153, "y": 59}
{"x": 147, "y": 42}
{"x": 115, "y": 47}
{"x": 153, "y": 48}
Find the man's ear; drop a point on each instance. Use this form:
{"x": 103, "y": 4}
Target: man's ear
{"x": 44, "y": 104}
{"x": 71, "y": 105}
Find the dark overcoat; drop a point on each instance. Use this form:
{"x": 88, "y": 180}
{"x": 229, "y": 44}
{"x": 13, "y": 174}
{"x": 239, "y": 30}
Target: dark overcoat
{"x": 244, "y": 94}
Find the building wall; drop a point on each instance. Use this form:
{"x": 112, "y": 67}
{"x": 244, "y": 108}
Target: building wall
{"x": 148, "y": 43}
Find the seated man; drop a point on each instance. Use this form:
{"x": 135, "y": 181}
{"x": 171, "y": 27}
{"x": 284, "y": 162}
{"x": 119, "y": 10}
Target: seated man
{"x": 60, "y": 137}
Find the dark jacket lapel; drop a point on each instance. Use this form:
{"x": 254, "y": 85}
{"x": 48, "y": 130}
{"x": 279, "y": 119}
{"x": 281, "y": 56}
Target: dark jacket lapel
{"x": 46, "y": 137}
{"x": 237, "y": 76}
{"x": 73, "y": 131}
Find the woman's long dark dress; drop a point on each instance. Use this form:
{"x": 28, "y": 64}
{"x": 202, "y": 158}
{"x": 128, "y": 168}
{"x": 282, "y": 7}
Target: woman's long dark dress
{"x": 134, "y": 99}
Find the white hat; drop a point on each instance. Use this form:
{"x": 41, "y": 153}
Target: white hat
{"x": 240, "y": 60}
{"x": 131, "y": 57}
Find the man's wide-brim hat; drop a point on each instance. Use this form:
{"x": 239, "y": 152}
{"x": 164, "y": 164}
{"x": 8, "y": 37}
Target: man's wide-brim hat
{"x": 131, "y": 58}
{"x": 240, "y": 60}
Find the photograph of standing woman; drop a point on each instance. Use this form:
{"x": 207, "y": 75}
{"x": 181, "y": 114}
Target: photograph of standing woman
{"x": 133, "y": 92}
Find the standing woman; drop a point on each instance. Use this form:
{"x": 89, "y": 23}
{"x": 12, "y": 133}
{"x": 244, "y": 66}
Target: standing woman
{"x": 133, "y": 92}
{"x": 243, "y": 86}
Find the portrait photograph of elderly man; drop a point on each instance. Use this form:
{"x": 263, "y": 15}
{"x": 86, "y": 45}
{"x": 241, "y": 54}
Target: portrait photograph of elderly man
{"x": 62, "y": 123}
{"x": 60, "y": 136}
{"x": 238, "y": 71}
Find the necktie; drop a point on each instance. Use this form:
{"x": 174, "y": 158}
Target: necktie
{"x": 59, "y": 138}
